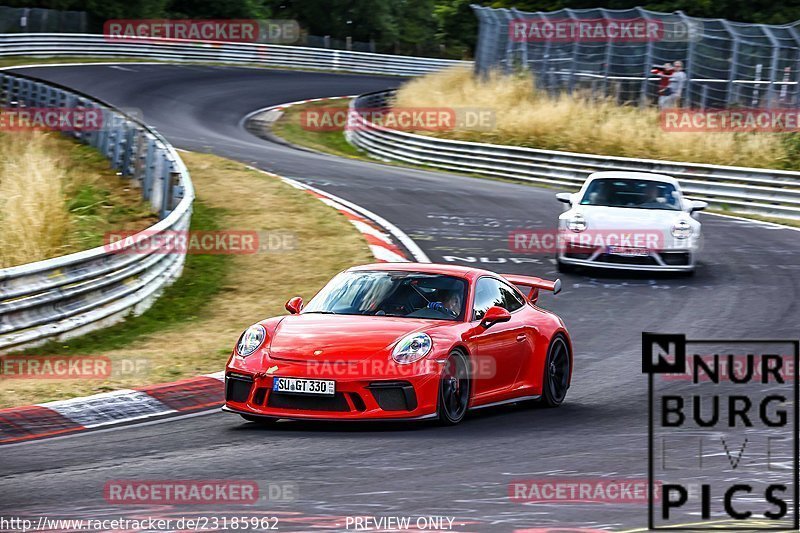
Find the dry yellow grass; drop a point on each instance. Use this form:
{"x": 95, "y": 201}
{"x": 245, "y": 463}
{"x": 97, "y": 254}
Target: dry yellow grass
{"x": 33, "y": 209}
{"x": 58, "y": 197}
{"x": 527, "y": 117}
{"x": 257, "y": 285}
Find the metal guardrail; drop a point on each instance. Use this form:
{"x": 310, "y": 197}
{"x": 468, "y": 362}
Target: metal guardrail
{"x": 764, "y": 192}
{"x": 69, "y": 295}
{"x": 297, "y": 57}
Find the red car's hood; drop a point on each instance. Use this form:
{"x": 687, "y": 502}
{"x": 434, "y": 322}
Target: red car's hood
{"x": 317, "y": 337}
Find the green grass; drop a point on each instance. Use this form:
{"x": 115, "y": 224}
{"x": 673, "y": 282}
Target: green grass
{"x": 289, "y": 128}
{"x": 183, "y": 301}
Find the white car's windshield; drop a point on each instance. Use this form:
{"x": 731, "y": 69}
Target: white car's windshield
{"x": 384, "y": 293}
{"x": 633, "y": 193}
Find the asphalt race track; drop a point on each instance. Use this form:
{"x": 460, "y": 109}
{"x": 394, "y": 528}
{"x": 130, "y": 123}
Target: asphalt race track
{"x": 747, "y": 285}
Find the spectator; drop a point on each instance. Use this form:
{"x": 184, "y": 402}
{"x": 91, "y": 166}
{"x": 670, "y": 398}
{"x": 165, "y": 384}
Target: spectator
{"x": 675, "y": 87}
{"x": 663, "y": 72}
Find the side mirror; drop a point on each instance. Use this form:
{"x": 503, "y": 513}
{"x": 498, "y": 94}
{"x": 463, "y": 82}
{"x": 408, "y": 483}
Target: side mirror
{"x": 294, "y": 305}
{"x": 697, "y": 205}
{"x": 495, "y": 315}
{"x": 564, "y": 197}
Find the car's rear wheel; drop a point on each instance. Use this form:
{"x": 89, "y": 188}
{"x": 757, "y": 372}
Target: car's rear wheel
{"x": 454, "y": 389}
{"x": 556, "y": 373}
{"x": 260, "y": 420}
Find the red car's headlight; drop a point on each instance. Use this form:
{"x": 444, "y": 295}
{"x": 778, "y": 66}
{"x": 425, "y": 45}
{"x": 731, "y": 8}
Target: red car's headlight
{"x": 412, "y": 348}
{"x": 250, "y": 340}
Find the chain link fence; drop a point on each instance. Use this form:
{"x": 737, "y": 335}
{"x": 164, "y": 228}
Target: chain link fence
{"x": 728, "y": 64}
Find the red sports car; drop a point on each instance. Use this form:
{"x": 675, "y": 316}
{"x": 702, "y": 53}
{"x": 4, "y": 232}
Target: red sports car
{"x": 402, "y": 341}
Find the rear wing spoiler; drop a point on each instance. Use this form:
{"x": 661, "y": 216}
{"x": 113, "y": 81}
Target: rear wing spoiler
{"x": 535, "y": 284}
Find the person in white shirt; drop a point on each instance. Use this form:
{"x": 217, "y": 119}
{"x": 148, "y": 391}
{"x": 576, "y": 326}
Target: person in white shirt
{"x": 675, "y": 88}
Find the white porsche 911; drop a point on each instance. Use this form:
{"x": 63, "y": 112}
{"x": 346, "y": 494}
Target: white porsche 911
{"x": 629, "y": 220}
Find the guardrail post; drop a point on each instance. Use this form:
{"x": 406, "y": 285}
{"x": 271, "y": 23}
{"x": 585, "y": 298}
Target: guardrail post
{"x": 174, "y": 192}
{"x": 149, "y": 168}
{"x": 3, "y": 89}
{"x": 111, "y": 141}
{"x": 129, "y": 149}
{"x": 166, "y": 186}
{"x": 118, "y": 147}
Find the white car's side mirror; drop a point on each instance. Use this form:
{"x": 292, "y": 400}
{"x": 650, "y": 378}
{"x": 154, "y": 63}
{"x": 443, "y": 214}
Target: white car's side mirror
{"x": 565, "y": 197}
{"x": 697, "y": 205}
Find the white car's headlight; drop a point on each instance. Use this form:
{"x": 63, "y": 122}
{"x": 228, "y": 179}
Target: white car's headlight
{"x": 577, "y": 223}
{"x": 412, "y": 348}
{"x": 250, "y": 340}
{"x": 681, "y": 230}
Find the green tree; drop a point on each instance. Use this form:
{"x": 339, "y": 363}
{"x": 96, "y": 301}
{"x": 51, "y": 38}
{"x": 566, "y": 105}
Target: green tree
{"x": 216, "y": 9}
{"x": 363, "y": 20}
{"x": 416, "y": 26}
{"x": 457, "y": 26}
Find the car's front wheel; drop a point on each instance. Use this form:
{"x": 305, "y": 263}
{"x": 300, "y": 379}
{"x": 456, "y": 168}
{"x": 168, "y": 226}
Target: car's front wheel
{"x": 557, "y": 369}
{"x": 454, "y": 389}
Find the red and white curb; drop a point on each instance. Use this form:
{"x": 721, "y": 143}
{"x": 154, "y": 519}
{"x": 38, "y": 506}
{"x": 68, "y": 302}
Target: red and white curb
{"x": 110, "y": 408}
{"x": 380, "y": 234}
{"x": 274, "y": 112}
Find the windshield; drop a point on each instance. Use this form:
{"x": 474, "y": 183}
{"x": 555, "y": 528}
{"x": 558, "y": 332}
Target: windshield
{"x": 639, "y": 194}
{"x": 385, "y": 293}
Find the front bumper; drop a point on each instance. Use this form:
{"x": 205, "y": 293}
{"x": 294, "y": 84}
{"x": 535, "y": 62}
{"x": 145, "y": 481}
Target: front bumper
{"x": 669, "y": 260}
{"x": 412, "y": 395}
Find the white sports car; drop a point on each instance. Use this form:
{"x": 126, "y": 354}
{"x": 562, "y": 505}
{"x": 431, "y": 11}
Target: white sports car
{"x": 629, "y": 220}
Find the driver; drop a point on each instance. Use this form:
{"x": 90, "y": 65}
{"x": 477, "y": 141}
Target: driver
{"x": 652, "y": 197}
{"x": 450, "y": 305}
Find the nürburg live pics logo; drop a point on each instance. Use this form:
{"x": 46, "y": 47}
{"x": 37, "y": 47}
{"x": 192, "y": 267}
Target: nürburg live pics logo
{"x": 723, "y": 433}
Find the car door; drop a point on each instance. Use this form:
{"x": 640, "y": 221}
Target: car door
{"x": 499, "y": 351}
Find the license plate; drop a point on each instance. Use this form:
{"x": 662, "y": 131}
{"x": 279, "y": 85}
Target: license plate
{"x": 304, "y": 386}
{"x": 627, "y": 251}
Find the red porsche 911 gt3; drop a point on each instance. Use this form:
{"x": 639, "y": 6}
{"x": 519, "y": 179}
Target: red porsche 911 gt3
{"x": 402, "y": 341}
